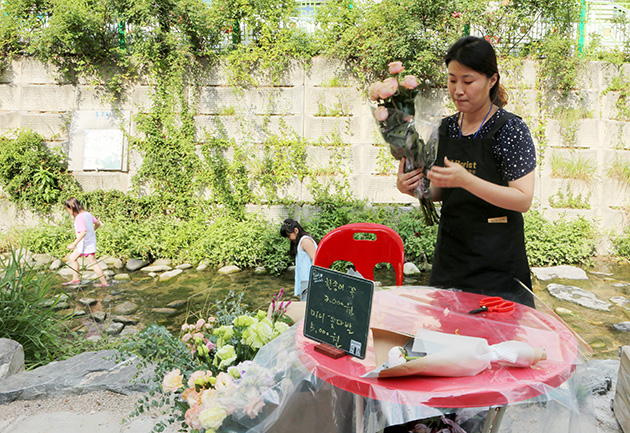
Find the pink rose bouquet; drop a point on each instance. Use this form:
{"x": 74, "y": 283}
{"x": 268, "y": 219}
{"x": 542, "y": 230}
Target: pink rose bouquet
{"x": 396, "y": 100}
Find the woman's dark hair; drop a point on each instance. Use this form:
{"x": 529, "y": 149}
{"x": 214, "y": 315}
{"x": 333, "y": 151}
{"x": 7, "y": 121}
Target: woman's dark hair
{"x": 289, "y": 226}
{"x": 74, "y": 205}
{"x": 479, "y": 55}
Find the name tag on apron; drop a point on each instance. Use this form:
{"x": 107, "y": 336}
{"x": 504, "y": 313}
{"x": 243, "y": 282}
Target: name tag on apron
{"x": 502, "y": 219}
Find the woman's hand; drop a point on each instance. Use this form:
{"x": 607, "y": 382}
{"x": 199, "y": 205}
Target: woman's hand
{"x": 452, "y": 175}
{"x": 407, "y": 182}
{"x": 72, "y": 246}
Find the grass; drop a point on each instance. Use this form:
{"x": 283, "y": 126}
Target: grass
{"x": 575, "y": 167}
{"x": 620, "y": 170}
{"x": 28, "y": 314}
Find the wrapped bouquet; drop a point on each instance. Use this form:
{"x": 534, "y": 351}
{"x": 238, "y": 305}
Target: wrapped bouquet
{"x": 409, "y": 124}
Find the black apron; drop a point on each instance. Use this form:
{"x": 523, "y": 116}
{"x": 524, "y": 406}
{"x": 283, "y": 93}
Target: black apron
{"x": 480, "y": 247}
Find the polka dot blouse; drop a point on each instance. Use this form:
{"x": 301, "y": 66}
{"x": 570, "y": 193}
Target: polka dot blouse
{"x": 513, "y": 146}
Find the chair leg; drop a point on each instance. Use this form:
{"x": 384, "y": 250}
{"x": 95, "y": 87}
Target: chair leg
{"x": 493, "y": 419}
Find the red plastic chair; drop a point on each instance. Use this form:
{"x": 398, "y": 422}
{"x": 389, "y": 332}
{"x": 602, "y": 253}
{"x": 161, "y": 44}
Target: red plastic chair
{"x": 340, "y": 244}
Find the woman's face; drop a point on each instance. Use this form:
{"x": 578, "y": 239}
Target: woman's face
{"x": 293, "y": 235}
{"x": 469, "y": 89}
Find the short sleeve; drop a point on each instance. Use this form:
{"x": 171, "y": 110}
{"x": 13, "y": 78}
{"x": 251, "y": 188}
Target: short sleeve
{"x": 79, "y": 224}
{"x": 515, "y": 153}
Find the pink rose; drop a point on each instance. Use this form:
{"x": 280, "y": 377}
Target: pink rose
{"x": 192, "y": 417}
{"x": 381, "y": 114}
{"x": 388, "y": 88}
{"x": 254, "y": 406}
{"x": 172, "y": 381}
{"x": 396, "y": 67}
{"x": 373, "y": 92}
{"x": 192, "y": 397}
{"x": 199, "y": 374}
{"x": 409, "y": 82}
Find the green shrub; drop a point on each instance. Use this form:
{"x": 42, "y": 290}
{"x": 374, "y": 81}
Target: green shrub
{"x": 32, "y": 174}
{"x": 26, "y": 315}
{"x": 49, "y": 239}
{"x": 559, "y": 242}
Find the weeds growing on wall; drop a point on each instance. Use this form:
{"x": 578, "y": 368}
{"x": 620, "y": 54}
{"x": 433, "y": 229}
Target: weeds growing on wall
{"x": 621, "y": 87}
{"x": 172, "y": 43}
{"x": 621, "y": 244}
{"x": 575, "y": 166}
{"x": 566, "y": 199}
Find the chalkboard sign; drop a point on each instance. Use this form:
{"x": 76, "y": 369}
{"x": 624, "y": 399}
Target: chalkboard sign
{"x": 338, "y": 310}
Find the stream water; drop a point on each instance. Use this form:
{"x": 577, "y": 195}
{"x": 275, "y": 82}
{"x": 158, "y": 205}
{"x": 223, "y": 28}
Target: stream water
{"x": 199, "y": 291}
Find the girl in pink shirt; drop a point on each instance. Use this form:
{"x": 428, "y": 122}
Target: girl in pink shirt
{"x": 84, "y": 245}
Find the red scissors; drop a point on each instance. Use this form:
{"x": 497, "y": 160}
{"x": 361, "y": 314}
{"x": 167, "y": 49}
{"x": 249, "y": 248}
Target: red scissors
{"x": 494, "y": 304}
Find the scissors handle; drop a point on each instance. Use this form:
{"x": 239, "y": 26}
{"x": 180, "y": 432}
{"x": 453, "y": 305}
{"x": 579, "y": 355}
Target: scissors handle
{"x": 494, "y": 304}
{"x": 478, "y": 310}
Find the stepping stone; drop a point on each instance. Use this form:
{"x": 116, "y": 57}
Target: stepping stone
{"x": 578, "y": 296}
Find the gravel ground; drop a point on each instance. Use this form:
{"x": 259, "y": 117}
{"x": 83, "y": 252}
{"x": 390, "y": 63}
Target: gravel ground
{"x": 120, "y": 405}
{"x": 94, "y": 412}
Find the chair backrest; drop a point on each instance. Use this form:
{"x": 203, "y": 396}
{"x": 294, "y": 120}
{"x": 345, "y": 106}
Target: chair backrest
{"x": 340, "y": 244}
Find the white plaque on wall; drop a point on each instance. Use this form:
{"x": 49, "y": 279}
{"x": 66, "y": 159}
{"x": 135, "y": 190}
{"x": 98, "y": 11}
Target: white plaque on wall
{"x": 102, "y": 149}
{"x": 97, "y": 141}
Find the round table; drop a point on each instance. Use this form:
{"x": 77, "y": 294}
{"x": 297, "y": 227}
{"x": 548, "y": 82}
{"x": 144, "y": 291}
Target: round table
{"x": 405, "y": 310}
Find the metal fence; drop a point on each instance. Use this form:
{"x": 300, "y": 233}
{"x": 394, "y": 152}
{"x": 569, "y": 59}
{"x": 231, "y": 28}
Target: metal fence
{"x": 606, "y": 22}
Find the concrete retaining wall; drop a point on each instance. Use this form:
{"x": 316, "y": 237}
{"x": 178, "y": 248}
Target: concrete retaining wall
{"x": 31, "y": 96}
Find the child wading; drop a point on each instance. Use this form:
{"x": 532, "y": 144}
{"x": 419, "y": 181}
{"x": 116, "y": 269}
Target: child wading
{"x": 85, "y": 225}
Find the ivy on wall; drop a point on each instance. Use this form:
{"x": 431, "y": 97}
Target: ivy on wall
{"x": 172, "y": 43}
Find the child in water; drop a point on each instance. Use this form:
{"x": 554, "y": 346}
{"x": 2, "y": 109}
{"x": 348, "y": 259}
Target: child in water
{"x": 84, "y": 245}
{"x": 303, "y": 248}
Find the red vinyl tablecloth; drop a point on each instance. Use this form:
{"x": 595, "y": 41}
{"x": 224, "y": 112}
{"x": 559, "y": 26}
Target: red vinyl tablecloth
{"x": 405, "y": 310}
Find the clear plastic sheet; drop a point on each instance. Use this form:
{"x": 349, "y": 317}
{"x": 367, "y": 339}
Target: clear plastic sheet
{"x": 306, "y": 391}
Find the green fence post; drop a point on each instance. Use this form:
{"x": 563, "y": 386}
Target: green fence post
{"x": 582, "y": 27}
{"x": 121, "y": 36}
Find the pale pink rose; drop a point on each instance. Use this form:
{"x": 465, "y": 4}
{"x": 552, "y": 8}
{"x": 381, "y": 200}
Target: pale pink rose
{"x": 396, "y": 67}
{"x": 409, "y": 82}
{"x": 373, "y": 92}
{"x": 172, "y": 381}
{"x": 200, "y": 324}
{"x": 209, "y": 397}
{"x": 381, "y": 114}
{"x": 192, "y": 417}
{"x": 254, "y": 406}
{"x": 223, "y": 379}
{"x": 192, "y": 397}
{"x": 199, "y": 374}
{"x": 210, "y": 345}
{"x": 186, "y": 338}
{"x": 389, "y": 87}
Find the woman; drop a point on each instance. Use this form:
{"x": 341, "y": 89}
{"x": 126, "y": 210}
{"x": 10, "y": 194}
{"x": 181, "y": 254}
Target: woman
{"x": 302, "y": 249}
{"x": 484, "y": 177}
